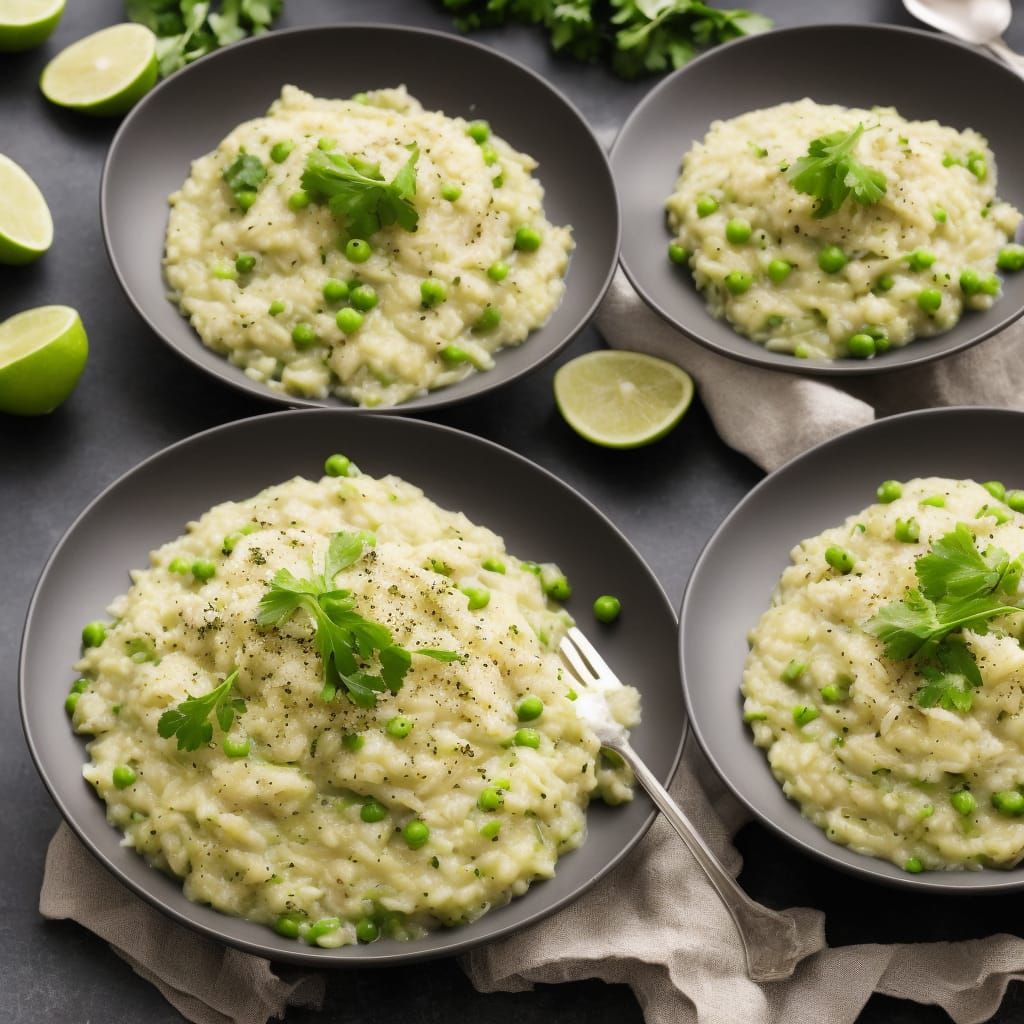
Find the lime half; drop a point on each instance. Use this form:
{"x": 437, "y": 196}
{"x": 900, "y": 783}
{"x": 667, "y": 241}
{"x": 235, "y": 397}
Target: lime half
{"x": 105, "y": 73}
{"x": 25, "y": 24}
{"x": 42, "y": 355}
{"x": 26, "y": 227}
{"x": 622, "y": 399}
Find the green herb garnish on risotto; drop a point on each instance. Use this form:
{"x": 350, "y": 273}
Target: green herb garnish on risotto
{"x": 189, "y": 720}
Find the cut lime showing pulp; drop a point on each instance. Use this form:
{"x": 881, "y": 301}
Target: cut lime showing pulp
{"x": 26, "y": 228}
{"x": 105, "y": 73}
{"x": 25, "y": 24}
{"x": 622, "y": 399}
{"x": 42, "y": 355}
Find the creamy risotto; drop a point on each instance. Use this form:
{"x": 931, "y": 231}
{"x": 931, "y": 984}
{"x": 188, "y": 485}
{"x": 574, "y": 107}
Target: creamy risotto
{"x": 364, "y": 248}
{"x": 825, "y": 231}
{"x": 886, "y": 680}
{"x": 422, "y": 771}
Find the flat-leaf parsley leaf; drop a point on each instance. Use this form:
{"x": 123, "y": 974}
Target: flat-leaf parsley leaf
{"x": 830, "y": 172}
{"x": 351, "y": 647}
{"x": 189, "y": 720}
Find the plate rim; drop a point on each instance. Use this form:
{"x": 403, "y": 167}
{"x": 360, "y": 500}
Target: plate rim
{"x": 302, "y": 954}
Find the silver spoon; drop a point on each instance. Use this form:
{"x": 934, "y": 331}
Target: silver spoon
{"x": 981, "y": 22}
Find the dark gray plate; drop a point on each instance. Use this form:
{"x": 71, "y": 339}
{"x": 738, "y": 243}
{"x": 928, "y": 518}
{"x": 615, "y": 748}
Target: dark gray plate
{"x": 922, "y": 75}
{"x": 735, "y": 576}
{"x": 189, "y": 113}
{"x": 493, "y": 486}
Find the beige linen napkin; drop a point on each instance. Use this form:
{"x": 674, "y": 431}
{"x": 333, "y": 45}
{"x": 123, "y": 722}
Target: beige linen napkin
{"x": 654, "y": 922}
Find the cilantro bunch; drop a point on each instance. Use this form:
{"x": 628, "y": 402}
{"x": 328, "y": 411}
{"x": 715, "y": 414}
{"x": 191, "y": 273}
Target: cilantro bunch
{"x": 633, "y": 37}
{"x": 358, "y": 655}
{"x": 959, "y": 588}
{"x": 187, "y": 29}
{"x": 830, "y": 172}
{"x": 356, "y": 191}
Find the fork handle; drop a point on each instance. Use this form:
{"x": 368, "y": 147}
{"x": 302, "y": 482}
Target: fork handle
{"x": 770, "y": 940}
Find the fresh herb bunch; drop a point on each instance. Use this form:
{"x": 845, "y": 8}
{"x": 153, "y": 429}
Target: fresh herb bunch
{"x": 244, "y": 176}
{"x": 356, "y": 191}
{"x": 830, "y": 172}
{"x": 633, "y": 37}
{"x": 346, "y": 641}
{"x": 958, "y": 588}
{"x": 187, "y": 29}
{"x": 189, "y": 720}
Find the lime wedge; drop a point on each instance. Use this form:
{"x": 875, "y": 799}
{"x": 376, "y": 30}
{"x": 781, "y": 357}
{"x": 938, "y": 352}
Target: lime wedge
{"x": 26, "y": 228}
{"x": 622, "y": 399}
{"x": 27, "y": 23}
{"x": 42, "y": 355}
{"x": 105, "y": 73}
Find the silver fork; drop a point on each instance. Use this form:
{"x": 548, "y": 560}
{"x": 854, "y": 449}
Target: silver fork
{"x": 769, "y": 940}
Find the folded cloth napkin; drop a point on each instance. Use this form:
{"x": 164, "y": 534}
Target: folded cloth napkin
{"x": 654, "y": 923}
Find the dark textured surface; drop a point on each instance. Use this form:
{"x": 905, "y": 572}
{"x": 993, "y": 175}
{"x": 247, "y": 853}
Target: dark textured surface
{"x": 137, "y": 396}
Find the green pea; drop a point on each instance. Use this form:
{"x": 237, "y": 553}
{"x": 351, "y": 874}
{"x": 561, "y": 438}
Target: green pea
{"x": 1009, "y": 802}
{"x": 490, "y": 830}
{"x": 913, "y": 865}
{"x": 478, "y": 131}
{"x": 493, "y": 565}
{"x": 180, "y": 566}
{"x": 398, "y": 727}
{"x": 353, "y": 741}
{"x": 298, "y": 200}
{"x": 929, "y": 300}
{"x": 908, "y": 531}
{"x": 738, "y": 231}
{"x": 920, "y": 259}
{"x": 1015, "y": 499}
{"x": 450, "y": 192}
{"x": 488, "y": 319}
{"x": 478, "y": 597}
{"x": 349, "y": 319}
{"x": 963, "y": 802}
{"x": 779, "y": 270}
{"x": 678, "y": 254}
{"x": 287, "y": 925}
{"x": 706, "y": 205}
{"x": 490, "y": 155}
{"x": 93, "y": 634}
{"x": 337, "y": 465}
{"x": 793, "y": 670}
{"x": 279, "y": 151}
{"x": 498, "y": 270}
{"x": 529, "y": 708}
{"x": 1011, "y": 257}
{"x": 489, "y": 799}
{"x": 935, "y": 500}
{"x": 996, "y": 488}
{"x": 122, "y": 776}
{"x": 607, "y": 608}
{"x": 804, "y": 714}
{"x": 839, "y": 558}
{"x": 416, "y": 833}
{"x": 77, "y": 689}
{"x": 363, "y": 297}
{"x": 324, "y": 926}
{"x": 832, "y": 259}
{"x": 373, "y": 811}
{"x": 558, "y": 588}
{"x": 304, "y": 335}
{"x": 245, "y": 198}
{"x": 432, "y": 292}
{"x": 884, "y": 283}
{"x": 527, "y": 239}
{"x": 888, "y": 491}
{"x": 738, "y": 281}
{"x": 357, "y": 250}
{"x": 861, "y": 346}
{"x": 454, "y": 354}
{"x": 367, "y": 930}
{"x": 204, "y": 569}
{"x": 989, "y": 285}
{"x": 526, "y": 738}
{"x": 239, "y": 747}
{"x": 940, "y": 215}
{"x": 833, "y": 694}
{"x": 244, "y": 262}
{"x": 335, "y": 290}
{"x": 276, "y": 307}
{"x": 977, "y": 165}
{"x": 970, "y": 281}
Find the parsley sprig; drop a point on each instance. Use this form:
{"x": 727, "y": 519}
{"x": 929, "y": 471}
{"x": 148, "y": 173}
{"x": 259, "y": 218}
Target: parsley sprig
{"x": 244, "y": 176}
{"x": 189, "y": 720}
{"x": 358, "y": 655}
{"x": 959, "y": 588}
{"x": 356, "y": 191}
{"x": 830, "y": 172}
